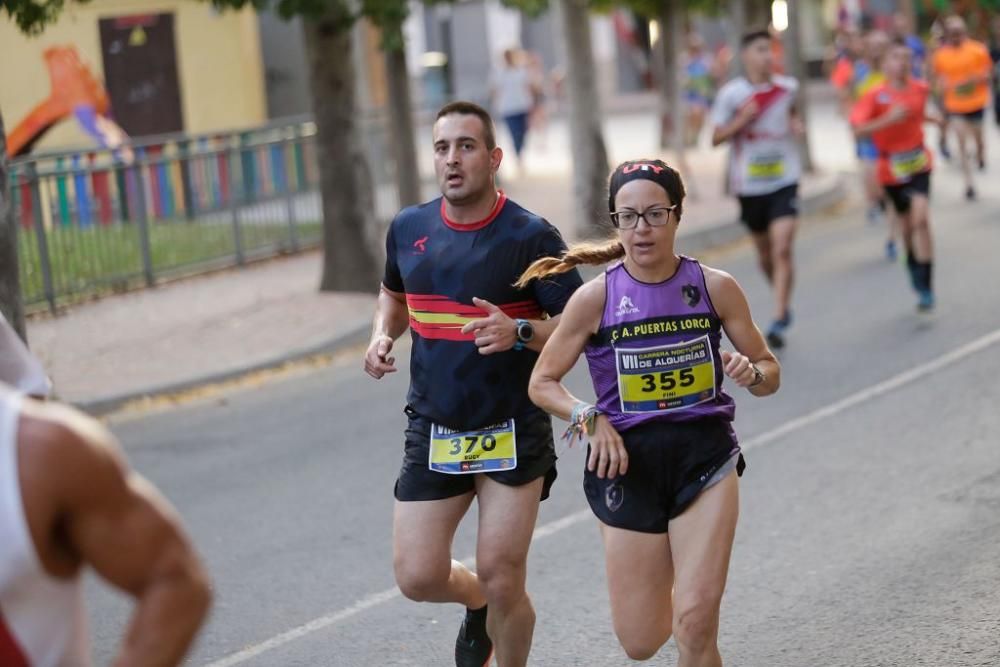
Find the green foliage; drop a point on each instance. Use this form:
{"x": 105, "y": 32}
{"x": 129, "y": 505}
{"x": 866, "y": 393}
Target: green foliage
{"x": 32, "y": 16}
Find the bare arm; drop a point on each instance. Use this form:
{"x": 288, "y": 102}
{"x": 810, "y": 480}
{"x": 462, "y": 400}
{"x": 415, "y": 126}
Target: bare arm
{"x": 890, "y": 117}
{"x": 746, "y": 115}
{"x": 116, "y": 522}
{"x": 497, "y": 332}
{"x": 580, "y": 319}
{"x": 391, "y": 320}
{"x": 731, "y": 305}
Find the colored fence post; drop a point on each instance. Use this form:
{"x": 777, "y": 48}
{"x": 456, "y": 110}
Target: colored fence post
{"x": 222, "y": 158}
{"x": 122, "y": 184}
{"x": 249, "y": 167}
{"x": 278, "y": 172}
{"x": 166, "y": 187}
{"x": 300, "y": 161}
{"x": 143, "y": 220}
{"x": 82, "y": 194}
{"x": 234, "y": 207}
{"x": 62, "y": 192}
{"x": 102, "y": 192}
{"x": 153, "y": 152}
{"x": 41, "y": 239}
{"x": 187, "y": 184}
{"x": 293, "y": 231}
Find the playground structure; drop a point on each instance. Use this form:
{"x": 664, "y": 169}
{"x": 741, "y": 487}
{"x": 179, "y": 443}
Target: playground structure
{"x": 75, "y": 92}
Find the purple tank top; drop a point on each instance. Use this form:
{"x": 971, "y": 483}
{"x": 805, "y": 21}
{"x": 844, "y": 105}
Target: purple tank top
{"x": 656, "y": 354}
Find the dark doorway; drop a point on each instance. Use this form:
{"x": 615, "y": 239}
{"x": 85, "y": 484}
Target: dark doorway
{"x": 140, "y": 72}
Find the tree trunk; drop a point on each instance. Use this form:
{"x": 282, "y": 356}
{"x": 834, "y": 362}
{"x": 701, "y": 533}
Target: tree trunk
{"x": 349, "y": 224}
{"x": 590, "y": 156}
{"x": 676, "y": 16}
{"x": 796, "y": 67}
{"x": 669, "y": 51}
{"x": 10, "y": 288}
{"x": 401, "y": 122}
{"x": 737, "y": 10}
{"x": 664, "y": 65}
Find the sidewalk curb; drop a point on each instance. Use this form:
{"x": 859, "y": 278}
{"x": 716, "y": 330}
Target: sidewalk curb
{"x": 103, "y": 406}
{"x": 699, "y": 241}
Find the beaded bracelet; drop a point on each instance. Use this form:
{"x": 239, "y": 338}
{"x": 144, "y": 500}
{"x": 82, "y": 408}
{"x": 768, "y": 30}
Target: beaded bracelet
{"x": 581, "y": 421}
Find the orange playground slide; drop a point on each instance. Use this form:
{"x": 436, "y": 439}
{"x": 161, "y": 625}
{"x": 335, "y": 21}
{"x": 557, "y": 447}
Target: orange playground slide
{"x": 73, "y": 87}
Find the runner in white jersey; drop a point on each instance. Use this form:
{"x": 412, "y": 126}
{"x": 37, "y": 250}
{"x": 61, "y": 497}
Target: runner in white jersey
{"x": 68, "y": 501}
{"x": 757, "y": 115}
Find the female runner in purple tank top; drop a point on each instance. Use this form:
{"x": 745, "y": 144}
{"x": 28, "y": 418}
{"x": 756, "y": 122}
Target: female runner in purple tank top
{"x": 662, "y": 454}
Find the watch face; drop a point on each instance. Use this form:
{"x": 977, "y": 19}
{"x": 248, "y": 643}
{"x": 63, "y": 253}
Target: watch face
{"x": 525, "y": 331}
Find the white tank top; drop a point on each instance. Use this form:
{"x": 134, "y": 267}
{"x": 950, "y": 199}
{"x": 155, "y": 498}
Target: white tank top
{"x": 42, "y": 621}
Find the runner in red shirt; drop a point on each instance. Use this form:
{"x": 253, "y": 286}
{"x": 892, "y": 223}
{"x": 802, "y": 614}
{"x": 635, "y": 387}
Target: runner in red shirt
{"x": 893, "y": 114}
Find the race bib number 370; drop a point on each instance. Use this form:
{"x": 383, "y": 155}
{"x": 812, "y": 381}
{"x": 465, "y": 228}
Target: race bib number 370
{"x": 667, "y": 377}
{"x": 466, "y": 452}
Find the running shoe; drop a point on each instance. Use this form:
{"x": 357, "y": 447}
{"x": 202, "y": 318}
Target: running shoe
{"x": 943, "y": 148}
{"x": 925, "y": 301}
{"x": 776, "y": 332}
{"x": 970, "y": 193}
{"x": 890, "y": 250}
{"x": 473, "y": 648}
{"x": 982, "y": 164}
{"x": 874, "y": 214}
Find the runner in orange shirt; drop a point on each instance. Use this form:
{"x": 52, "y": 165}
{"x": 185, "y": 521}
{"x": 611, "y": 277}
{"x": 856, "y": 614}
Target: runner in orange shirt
{"x": 893, "y": 114}
{"x": 962, "y": 68}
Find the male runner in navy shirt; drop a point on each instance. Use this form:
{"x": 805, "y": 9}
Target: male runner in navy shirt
{"x": 450, "y": 269}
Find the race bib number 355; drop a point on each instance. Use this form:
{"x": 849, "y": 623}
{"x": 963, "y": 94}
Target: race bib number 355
{"x": 466, "y": 452}
{"x": 666, "y": 378}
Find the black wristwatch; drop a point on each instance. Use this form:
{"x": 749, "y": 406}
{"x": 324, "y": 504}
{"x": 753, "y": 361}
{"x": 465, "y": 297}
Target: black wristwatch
{"x": 525, "y": 333}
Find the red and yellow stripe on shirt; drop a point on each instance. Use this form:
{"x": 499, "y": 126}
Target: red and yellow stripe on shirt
{"x": 439, "y": 318}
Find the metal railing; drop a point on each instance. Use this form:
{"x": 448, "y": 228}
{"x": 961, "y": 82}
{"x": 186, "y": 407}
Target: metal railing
{"x": 93, "y": 221}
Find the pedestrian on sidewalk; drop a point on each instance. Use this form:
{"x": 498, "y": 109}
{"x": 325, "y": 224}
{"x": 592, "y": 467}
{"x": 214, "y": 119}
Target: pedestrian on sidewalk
{"x": 663, "y": 460}
{"x": 893, "y": 115}
{"x": 473, "y": 432}
{"x": 962, "y": 69}
{"x": 700, "y": 83}
{"x": 758, "y": 114}
{"x": 514, "y": 95}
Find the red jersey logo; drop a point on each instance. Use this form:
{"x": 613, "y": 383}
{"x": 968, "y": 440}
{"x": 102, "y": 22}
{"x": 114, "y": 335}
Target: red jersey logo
{"x": 419, "y": 245}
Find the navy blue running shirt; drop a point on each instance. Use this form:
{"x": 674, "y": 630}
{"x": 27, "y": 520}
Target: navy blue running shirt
{"x": 441, "y": 266}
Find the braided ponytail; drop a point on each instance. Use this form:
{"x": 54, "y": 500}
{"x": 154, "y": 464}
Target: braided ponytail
{"x": 582, "y": 253}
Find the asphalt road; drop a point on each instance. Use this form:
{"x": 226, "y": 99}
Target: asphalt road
{"x": 870, "y": 527}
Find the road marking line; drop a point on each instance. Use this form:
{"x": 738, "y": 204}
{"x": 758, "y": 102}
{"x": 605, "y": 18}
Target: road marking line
{"x": 553, "y": 527}
{"x": 884, "y": 387}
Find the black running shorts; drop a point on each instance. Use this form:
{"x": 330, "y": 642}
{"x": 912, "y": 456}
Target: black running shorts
{"x": 669, "y": 464}
{"x": 970, "y": 116}
{"x": 536, "y": 457}
{"x": 759, "y": 211}
{"x": 902, "y": 194}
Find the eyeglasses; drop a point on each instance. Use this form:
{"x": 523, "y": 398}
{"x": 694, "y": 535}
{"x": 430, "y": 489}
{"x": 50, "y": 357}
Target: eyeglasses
{"x": 654, "y": 217}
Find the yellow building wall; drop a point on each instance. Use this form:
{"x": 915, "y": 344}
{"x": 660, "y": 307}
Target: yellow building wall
{"x": 219, "y": 67}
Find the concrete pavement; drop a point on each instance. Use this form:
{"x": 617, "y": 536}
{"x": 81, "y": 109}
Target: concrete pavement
{"x": 178, "y": 336}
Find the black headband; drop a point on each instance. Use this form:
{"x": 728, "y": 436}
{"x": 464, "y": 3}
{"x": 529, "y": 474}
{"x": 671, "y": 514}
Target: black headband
{"x": 651, "y": 170}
